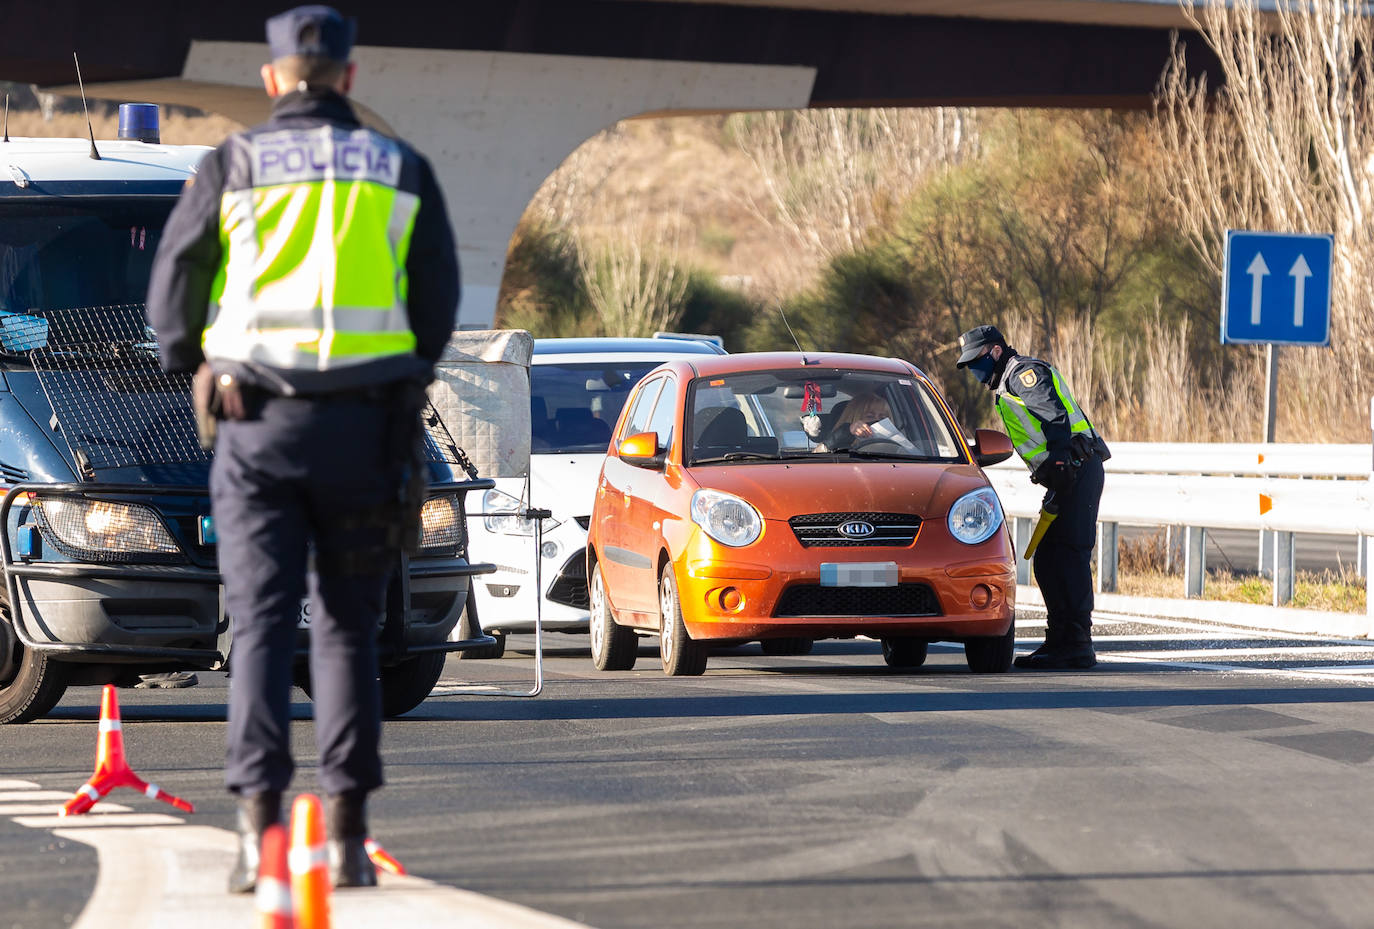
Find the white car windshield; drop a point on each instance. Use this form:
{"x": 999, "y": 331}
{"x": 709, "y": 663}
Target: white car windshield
{"x": 816, "y": 415}
{"x": 575, "y": 405}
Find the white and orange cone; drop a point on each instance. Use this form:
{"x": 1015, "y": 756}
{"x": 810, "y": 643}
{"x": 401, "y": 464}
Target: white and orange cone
{"x": 382, "y": 858}
{"x": 309, "y": 862}
{"x": 272, "y": 899}
{"x": 111, "y": 768}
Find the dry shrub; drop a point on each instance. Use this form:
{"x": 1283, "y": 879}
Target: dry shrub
{"x": 1144, "y": 554}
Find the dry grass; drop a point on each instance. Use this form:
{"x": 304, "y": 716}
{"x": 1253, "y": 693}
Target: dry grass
{"x": 1331, "y": 591}
{"x": 178, "y": 127}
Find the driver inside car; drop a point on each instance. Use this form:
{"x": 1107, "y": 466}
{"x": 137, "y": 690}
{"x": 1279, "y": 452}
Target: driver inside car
{"x": 856, "y": 421}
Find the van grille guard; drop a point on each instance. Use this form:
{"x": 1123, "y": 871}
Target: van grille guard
{"x": 391, "y": 642}
{"x": 112, "y": 402}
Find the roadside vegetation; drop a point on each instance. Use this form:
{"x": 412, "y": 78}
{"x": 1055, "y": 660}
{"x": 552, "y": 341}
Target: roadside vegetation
{"x": 1092, "y": 238}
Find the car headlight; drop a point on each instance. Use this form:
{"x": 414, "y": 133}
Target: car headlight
{"x": 726, "y": 518}
{"x": 97, "y": 529}
{"x": 975, "y": 516}
{"x": 441, "y": 524}
{"x": 505, "y": 518}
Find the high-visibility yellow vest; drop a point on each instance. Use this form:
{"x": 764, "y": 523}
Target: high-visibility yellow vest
{"x": 1024, "y": 428}
{"x": 314, "y": 231}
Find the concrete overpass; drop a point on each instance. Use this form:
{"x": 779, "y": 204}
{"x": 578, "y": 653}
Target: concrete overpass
{"x": 497, "y": 94}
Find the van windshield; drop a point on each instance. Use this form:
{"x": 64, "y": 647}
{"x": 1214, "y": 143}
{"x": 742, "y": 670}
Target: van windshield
{"x": 77, "y": 252}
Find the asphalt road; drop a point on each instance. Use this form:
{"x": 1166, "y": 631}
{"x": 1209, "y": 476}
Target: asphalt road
{"x": 1198, "y": 777}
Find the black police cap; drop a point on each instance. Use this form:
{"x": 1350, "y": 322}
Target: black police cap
{"x": 313, "y": 31}
{"x": 972, "y": 343}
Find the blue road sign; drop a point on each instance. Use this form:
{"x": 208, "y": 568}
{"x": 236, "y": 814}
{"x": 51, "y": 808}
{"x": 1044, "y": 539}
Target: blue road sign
{"x": 1276, "y": 288}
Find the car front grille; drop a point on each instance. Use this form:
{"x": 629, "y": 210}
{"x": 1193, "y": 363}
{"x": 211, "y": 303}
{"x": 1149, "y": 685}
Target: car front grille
{"x": 814, "y": 600}
{"x": 570, "y": 586}
{"x": 815, "y": 530}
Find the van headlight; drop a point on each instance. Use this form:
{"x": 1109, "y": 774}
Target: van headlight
{"x": 505, "y": 518}
{"x": 726, "y": 518}
{"x": 975, "y": 516}
{"x": 98, "y": 529}
{"x": 441, "y": 525}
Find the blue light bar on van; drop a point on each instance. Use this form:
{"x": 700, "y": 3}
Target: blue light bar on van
{"x": 138, "y": 122}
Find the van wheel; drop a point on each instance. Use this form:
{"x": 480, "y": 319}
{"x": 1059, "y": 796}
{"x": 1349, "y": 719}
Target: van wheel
{"x": 681, "y": 656}
{"x": 614, "y": 647}
{"x": 34, "y": 685}
{"x": 905, "y": 652}
{"x": 406, "y": 685}
{"x": 798, "y": 645}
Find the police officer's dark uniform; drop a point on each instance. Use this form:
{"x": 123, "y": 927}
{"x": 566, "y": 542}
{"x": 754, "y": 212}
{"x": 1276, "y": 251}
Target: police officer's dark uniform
{"x": 1064, "y": 453}
{"x": 311, "y": 262}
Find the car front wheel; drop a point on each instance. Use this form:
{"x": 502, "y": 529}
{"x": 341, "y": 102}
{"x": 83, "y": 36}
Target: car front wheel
{"x": 32, "y": 685}
{"x": 614, "y": 647}
{"x": 681, "y": 656}
{"x": 991, "y": 655}
{"x": 406, "y": 685}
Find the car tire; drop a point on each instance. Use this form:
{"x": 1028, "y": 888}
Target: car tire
{"x": 681, "y": 656}
{"x": 34, "y": 688}
{"x": 991, "y": 655}
{"x": 905, "y": 652}
{"x": 795, "y": 645}
{"x": 614, "y": 647}
{"x": 406, "y": 685}
{"x": 487, "y": 652}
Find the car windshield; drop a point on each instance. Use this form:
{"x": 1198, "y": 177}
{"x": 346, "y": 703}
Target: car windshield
{"x": 816, "y": 415}
{"x": 61, "y": 254}
{"x": 574, "y": 405}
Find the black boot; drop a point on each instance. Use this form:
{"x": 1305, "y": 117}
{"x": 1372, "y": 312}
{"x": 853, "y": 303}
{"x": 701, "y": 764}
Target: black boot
{"x": 346, "y": 819}
{"x": 1064, "y": 650}
{"x": 256, "y": 813}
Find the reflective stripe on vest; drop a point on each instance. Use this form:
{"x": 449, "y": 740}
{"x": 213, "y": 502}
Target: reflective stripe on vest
{"x": 1027, "y": 436}
{"x": 313, "y": 275}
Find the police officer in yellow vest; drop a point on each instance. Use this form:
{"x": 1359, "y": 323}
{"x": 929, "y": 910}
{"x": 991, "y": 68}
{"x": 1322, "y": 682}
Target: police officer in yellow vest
{"x": 1065, "y": 454}
{"x": 311, "y": 264}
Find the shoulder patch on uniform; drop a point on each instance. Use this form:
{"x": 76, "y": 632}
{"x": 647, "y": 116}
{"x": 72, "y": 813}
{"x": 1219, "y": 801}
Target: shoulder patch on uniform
{"x": 1027, "y": 377}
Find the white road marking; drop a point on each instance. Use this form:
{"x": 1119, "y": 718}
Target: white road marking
{"x": 35, "y": 809}
{"x": 30, "y": 795}
{"x": 108, "y": 820}
{"x": 453, "y": 690}
{"x": 17, "y": 785}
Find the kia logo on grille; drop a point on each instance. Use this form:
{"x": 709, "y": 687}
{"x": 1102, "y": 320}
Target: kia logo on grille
{"x": 856, "y": 529}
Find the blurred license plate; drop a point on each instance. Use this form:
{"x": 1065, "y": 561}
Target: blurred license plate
{"x": 859, "y": 574}
{"x": 303, "y": 620}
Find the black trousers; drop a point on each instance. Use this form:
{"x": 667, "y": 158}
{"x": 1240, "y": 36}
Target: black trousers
{"x": 1063, "y": 562}
{"x": 280, "y": 483}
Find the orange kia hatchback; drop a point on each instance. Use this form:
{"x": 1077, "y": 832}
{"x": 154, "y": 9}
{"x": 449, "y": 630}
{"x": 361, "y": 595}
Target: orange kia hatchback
{"x": 790, "y": 497}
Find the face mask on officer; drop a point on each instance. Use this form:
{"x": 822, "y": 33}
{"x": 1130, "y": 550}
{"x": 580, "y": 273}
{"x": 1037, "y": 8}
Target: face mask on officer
{"x": 984, "y": 367}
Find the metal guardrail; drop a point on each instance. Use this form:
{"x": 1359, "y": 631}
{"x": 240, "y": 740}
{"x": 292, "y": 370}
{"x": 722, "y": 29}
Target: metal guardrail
{"x": 1276, "y": 489}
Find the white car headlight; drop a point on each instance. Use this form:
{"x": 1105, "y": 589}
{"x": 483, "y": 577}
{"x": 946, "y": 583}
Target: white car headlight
{"x": 975, "y": 516}
{"x": 505, "y": 518}
{"x": 726, "y": 518}
{"x": 99, "y": 528}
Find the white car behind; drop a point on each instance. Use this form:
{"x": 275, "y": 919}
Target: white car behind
{"x": 577, "y": 389}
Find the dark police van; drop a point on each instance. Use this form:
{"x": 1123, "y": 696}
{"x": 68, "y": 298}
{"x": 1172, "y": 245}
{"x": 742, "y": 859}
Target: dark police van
{"x": 108, "y": 548}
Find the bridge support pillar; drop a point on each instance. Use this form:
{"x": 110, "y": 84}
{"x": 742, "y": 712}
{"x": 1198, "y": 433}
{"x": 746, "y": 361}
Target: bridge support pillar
{"x": 1107, "y": 552}
{"x": 495, "y": 125}
{"x": 1194, "y": 561}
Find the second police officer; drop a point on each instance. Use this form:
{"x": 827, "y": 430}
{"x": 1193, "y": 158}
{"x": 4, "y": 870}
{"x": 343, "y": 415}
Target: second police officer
{"x": 311, "y": 264}
{"x": 1053, "y": 435}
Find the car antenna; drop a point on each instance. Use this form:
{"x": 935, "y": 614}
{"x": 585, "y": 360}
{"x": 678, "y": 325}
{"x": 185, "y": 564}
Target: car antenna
{"x": 94, "y": 153}
{"x": 805, "y": 360}
{"x": 7, "y": 117}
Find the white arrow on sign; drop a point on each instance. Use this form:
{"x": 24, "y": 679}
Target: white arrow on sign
{"x": 1300, "y": 272}
{"x": 1258, "y": 271}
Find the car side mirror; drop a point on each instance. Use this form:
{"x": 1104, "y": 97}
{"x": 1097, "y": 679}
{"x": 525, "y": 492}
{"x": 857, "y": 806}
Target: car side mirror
{"x": 642, "y": 451}
{"x": 990, "y": 447}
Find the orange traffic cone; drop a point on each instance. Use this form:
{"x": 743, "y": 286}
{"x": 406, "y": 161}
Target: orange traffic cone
{"x": 382, "y": 858}
{"x": 273, "y": 895}
{"x": 111, "y": 768}
{"x": 309, "y": 863}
